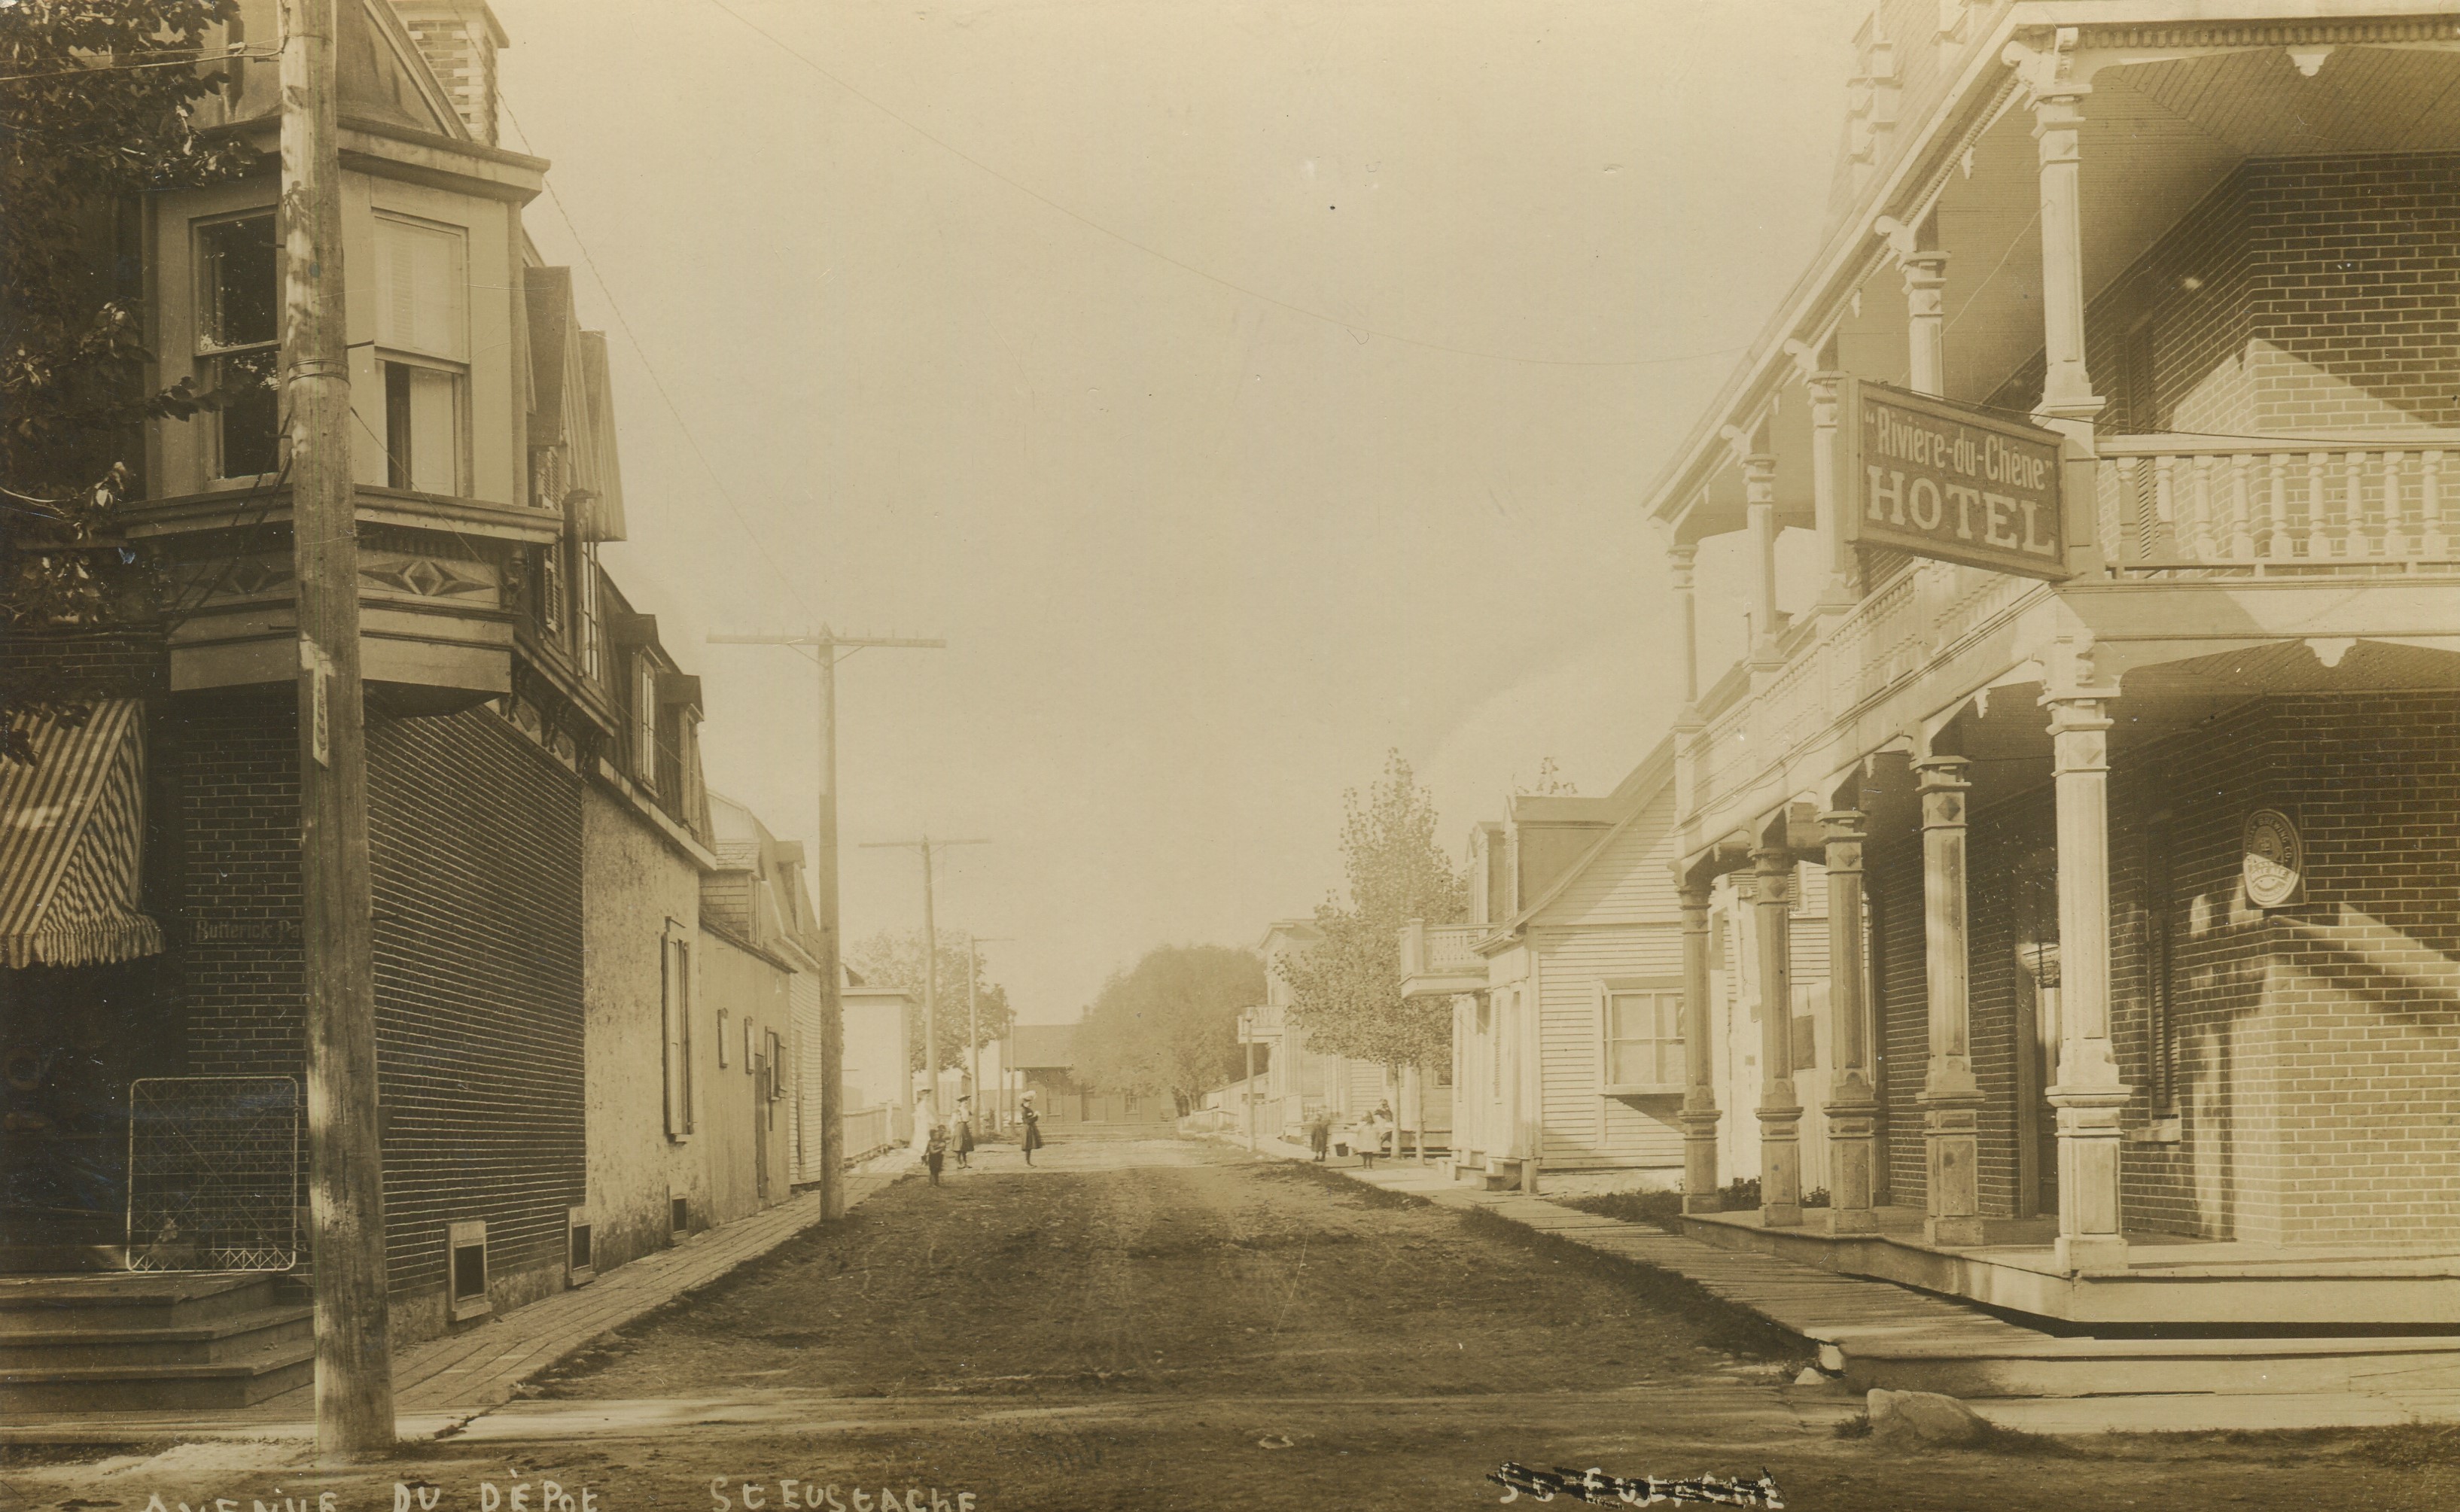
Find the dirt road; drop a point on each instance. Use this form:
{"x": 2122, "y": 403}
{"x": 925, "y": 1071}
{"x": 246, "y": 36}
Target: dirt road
{"x": 1164, "y": 1325}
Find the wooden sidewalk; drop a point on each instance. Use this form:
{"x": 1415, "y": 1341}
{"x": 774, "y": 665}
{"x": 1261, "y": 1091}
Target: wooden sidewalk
{"x": 1875, "y": 1332}
{"x": 1821, "y": 1306}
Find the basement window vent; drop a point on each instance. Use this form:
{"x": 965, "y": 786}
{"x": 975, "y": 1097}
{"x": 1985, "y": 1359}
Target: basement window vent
{"x": 581, "y": 1266}
{"x": 682, "y": 1211}
{"x": 468, "y": 1243}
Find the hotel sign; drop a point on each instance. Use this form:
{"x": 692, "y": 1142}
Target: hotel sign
{"x": 1949, "y": 481}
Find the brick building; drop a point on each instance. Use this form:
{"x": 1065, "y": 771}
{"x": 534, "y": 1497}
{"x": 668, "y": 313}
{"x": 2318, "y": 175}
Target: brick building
{"x": 2120, "y": 411}
{"x": 565, "y": 943}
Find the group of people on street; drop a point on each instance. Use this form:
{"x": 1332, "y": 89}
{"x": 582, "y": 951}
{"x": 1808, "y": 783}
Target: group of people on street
{"x": 1366, "y": 1137}
{"x": 960, "y": 1142}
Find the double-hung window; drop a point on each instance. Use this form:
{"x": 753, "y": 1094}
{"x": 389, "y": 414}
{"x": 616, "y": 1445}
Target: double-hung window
{"x": 423, "y": 352}
{"x": 239, "y": 342}
{"x": 1643, "y": 1045}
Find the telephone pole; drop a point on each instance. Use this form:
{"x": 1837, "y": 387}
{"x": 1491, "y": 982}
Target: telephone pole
{"x": 830, "y": 648}
{"x": 973, "y": 1015}
{"x": 354, "y": 1405}
{"x": 930, "y": 957}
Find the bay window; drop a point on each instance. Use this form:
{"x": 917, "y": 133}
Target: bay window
{"x": 422, "y": 352}
{"x": 239, "y": 342}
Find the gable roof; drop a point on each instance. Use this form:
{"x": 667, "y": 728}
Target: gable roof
{"x": 1651, "y": 777}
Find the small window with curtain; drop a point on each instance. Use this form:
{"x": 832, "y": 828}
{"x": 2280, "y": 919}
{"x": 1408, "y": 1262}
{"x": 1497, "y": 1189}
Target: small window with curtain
{"x": 422, "y": 352}
{"x": 239, "y": 342}
{"x": 1644, "y": 1037}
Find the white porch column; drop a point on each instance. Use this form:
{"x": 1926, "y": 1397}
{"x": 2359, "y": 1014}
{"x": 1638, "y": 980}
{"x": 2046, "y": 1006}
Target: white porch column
{"x": 1951, "y": 1099}
{"x": 1852, "y": 1105}
{"x": 1700, "y": 1115}
{"x": 1680, "y": 559}
{"x": 2088, "y": 1092}
{"x": 2066, "y": 388}
{"x": 1925, "y": 316}
{"x": 1844, "y": 571}
{"x": 1780, "y": 1110}
{"x": 1759, "y": 496}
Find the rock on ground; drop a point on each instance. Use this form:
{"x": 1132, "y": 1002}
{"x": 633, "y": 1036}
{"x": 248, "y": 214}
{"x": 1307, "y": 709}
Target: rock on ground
{"x": 1923, "y": 1417}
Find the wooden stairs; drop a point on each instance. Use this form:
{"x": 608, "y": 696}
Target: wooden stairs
{"x": 150, "y": 1341}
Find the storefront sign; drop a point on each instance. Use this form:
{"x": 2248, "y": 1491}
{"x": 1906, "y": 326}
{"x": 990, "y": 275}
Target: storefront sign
{"x": 2274, "y": 864}
{"x": 1949, "y": 481}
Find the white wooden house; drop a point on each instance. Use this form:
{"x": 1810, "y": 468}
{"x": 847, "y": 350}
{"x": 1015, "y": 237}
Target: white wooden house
{"x": 1566, "y": 989}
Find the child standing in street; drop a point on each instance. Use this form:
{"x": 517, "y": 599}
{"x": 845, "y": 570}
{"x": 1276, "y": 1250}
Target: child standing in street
{"x": 935, "y": 1154}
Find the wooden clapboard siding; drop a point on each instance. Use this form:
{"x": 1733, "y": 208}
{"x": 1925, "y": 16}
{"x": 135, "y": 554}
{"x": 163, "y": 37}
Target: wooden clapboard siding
{"x": 1630, "y": 881}
{"x": 1581, "y": 1123}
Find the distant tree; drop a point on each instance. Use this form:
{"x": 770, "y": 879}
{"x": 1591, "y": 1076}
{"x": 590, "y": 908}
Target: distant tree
{"x": 1170, "y": 1023}
{"x": 99, "y": 110}
{"x": 894, "y": 959}
{"x": 1346, "y": 990}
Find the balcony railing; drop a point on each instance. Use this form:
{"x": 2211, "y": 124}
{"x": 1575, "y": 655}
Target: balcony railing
{"x": 2175, "y": 505}
{"x": 1912, "y": 617}
{"x": 2170, "y": 507}
{"x": 1441, "y": 957}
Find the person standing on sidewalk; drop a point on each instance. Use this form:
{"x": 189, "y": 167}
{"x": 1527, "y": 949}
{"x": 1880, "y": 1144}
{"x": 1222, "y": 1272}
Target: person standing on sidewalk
{"x": 935, "y": 1154}
{"x": 1367, "y": 1141}
{"x": 1031, "y": 1139}
{"x": 1319, "y": 1135}
{"x": 965, "y": 1133}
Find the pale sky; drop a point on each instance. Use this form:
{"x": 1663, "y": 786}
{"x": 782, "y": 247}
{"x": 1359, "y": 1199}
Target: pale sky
{"x": 1240, "y": 389}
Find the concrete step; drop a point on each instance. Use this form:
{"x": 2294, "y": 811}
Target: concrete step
{"x": 33, "y": 1343}
{"x": 137, "y": 1299}
{"x": 2046, "y": 1366}
{"x": 153, "y": 1386}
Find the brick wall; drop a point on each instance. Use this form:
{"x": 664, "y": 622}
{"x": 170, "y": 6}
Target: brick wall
{"x": 2315, "y": 1050}
{"x": 2302, "y": 294}
{"x": 2318, "y": 1045}
{"x": 476, "y": 848}
{"x": 475, "y": 842}
{"x": 1892, "y": 877}
{"x": 2006, "y": 866}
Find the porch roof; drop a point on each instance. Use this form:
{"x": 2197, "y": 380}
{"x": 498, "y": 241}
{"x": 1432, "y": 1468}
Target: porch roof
{"x": 2163, "y": 126}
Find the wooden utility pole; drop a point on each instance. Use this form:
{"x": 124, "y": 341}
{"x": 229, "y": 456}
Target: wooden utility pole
{"x": 973, "y": 1017}
{"x": 829, "y": 647}
{"x": 355, "y": 1407}
{"x": 930, "y": 957}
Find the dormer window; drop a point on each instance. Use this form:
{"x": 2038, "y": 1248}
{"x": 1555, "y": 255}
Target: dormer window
{"x": 239, "y": 342}
{"x": 644, "y": 721}
{"x": 422, "y": 351}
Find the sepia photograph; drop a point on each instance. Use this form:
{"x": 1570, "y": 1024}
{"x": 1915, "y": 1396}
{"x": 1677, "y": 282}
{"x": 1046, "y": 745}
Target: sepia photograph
{"x": 1133, "y": 755}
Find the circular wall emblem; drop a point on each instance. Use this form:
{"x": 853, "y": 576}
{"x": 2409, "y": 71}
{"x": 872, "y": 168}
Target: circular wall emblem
{"x": 2276, "y": 861}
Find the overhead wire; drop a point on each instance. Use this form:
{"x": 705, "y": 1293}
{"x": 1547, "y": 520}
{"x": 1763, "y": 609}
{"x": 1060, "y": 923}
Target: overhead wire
{"x": 1123, "y": 238}
{"x": 768, "y": 553}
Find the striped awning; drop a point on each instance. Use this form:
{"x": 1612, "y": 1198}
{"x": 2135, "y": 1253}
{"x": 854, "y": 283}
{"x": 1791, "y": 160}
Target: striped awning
{"x": 72, "y": 832}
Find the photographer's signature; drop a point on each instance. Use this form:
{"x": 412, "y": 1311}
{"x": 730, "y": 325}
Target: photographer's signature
{"x": 1595, "y": 1485}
